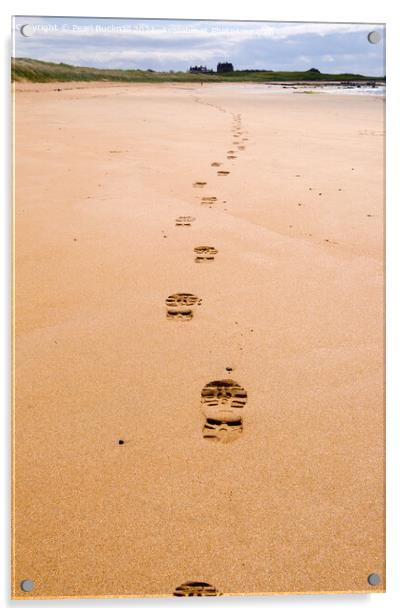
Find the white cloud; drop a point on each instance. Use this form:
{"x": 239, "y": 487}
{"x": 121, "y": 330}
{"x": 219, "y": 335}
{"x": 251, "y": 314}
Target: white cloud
{"x": 128, "y": 56}
{"x": 304, "y": 59}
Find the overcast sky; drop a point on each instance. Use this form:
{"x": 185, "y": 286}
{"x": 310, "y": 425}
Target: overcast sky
{"x": 175, "y": 45}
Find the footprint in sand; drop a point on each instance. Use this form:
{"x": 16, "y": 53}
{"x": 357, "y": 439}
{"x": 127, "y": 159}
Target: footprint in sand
{"x": 205, "y": 253}
{"x": 178, "y": 306}
{"x": 199, "y": 184}
{"x": 223, "y": 172}
{"x": 216, "y": 164}
{"x": 208, "y": 200}
{"x": 230, "y": 151}
{"x": 231, "y": 157}
{"x": 184, "y": 221}
{"x": 221, "y": 404}
{"x": 196, "y": 589}
{"x": 241, "y": 147}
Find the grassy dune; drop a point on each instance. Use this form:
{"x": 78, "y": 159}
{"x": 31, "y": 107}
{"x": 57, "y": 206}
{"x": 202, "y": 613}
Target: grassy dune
{"x": 26, "y": 69}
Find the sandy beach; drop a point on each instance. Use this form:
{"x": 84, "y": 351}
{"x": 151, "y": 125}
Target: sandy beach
{"x": 289, "y": 307}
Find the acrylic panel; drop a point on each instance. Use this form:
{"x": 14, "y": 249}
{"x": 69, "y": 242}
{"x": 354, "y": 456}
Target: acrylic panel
{"x": 198, "y": 344}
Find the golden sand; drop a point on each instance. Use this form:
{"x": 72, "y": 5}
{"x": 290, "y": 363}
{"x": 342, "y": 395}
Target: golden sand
{"x": 290, "y": 308}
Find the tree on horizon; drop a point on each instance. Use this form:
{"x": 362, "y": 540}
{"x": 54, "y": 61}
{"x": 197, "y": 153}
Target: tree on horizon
{"x": 224, "y": 67}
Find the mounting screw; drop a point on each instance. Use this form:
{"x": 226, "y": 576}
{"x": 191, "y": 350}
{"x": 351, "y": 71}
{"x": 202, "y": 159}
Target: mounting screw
{"x": 27, "y": 585}
{"x": 374, "y": 37}
{"x": 374, "y": 579}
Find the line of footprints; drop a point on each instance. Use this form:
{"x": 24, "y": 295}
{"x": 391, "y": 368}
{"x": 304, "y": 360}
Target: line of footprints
{"x": 222, "y": 401}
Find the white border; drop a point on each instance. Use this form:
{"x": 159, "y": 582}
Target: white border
{"x": 385, "y": 11}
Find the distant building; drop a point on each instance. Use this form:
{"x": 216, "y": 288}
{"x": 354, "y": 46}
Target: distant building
{"x": 200, "y": 69}
{"x": 224, "y": 67}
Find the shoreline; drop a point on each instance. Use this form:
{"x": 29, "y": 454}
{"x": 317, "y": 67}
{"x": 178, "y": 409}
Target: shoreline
{"x": 32, "y": 86}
